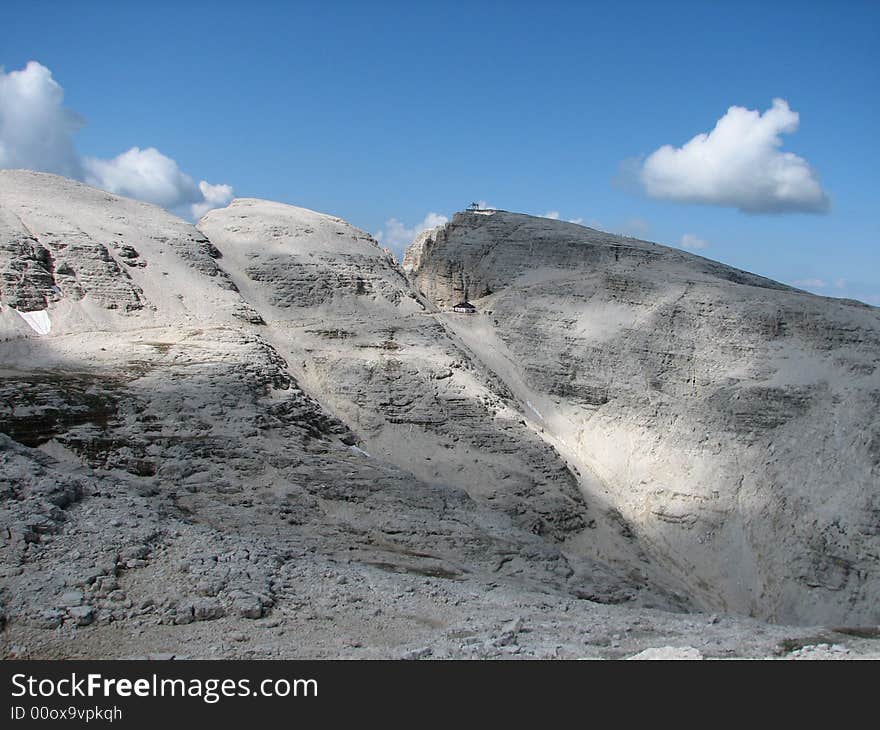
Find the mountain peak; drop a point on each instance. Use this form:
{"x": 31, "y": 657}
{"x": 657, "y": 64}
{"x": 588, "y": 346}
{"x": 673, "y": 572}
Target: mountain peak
{"x": 479, "y": 252}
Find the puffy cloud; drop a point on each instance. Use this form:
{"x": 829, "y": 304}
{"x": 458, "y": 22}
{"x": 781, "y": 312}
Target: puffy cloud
{"x": 553, "y": 215}
{"x": 215, "y": 196}
{"x": 36, "y": 133}
{"x": 397, "y": 236}
{"x": 150, "y": 176}
{"x": 147, "y": 175}
{"x": 738, "y": 164}
{"x": 689, "y": 240}
{"x": 433, "y": 220}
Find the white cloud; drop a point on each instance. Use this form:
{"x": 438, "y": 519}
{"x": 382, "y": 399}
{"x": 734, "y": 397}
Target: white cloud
{"x": 147, "y": 175}
{"x": 689, "y": 240}
{"x": 738, "y": 164}
{"x": 36, "y": 133}
{"x": 554, "y": 215}
{"x": 215, "y": 196}
{"x": 397, "y": 236}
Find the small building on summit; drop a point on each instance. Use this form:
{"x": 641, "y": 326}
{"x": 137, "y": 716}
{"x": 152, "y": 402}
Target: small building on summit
{"x": 464, "y": 308}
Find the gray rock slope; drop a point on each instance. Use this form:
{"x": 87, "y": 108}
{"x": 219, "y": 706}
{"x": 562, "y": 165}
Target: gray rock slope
{"x": 345, "y": 317}
{"x": 255, "y": 438}
{"x": 731, "y": 420}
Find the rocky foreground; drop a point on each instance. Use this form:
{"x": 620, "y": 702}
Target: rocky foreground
{"x": 262, "y": 437}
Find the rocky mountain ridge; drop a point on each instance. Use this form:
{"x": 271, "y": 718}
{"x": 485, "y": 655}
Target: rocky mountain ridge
{"x": 260, "y": 421}
{"x": 731, "y": 419}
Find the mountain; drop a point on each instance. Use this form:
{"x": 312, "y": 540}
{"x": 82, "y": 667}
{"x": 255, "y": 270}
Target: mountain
{"x": 733, "y": 421}
{"x": 264, "y": 423}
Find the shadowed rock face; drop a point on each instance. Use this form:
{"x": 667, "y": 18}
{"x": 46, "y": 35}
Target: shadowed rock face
{"x": 262, "y": 422}
{"x": 730, "y": 418}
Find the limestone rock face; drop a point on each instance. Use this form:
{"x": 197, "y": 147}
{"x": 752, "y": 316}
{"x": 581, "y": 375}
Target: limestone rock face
{"x": 259, "y": 431}
{"x": 96, "y": 257}
{"x": 479, "y": 252}
{"x": 731, "y": 420}
{"x": 363, "y": 343}
{"x": 214, "y": 454}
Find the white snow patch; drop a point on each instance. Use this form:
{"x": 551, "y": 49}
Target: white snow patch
{"x": 536, "y": 411}
{"x": 360, "y": 451}
{"x": 38, "y": 321}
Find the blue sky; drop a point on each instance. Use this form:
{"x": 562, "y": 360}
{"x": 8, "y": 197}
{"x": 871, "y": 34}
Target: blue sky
{"x": 374, "y": 111}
